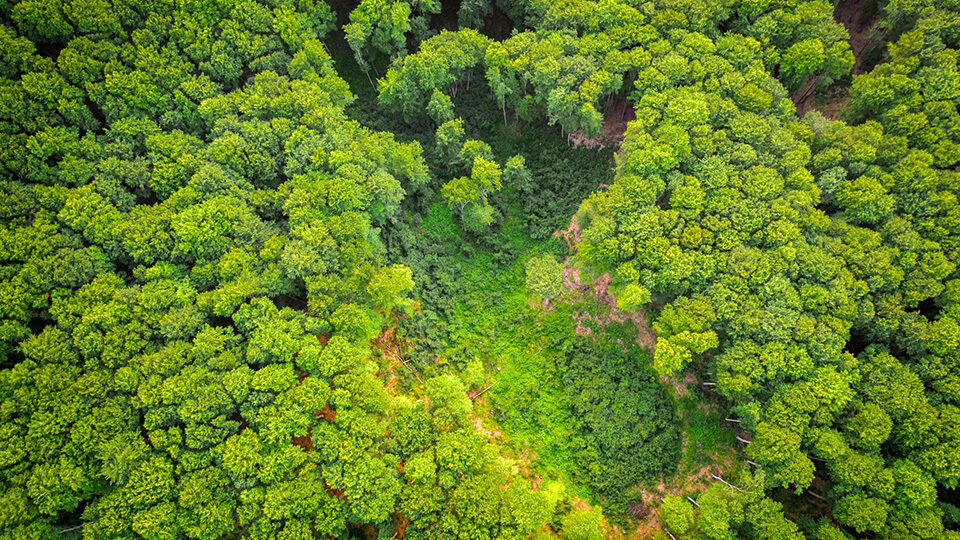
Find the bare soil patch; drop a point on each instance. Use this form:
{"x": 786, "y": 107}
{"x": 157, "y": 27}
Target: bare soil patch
{"x": 849, "y": 13}
{"x": 613, "y": 129}
{"x": 492, "y": 434}
{"x": 571, "y": 235}
{"x": 606, "y": 310}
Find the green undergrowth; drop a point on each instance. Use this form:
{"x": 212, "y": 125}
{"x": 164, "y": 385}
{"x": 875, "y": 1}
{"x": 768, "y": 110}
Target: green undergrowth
{"x": 547, "y": 391}
{"x": 530, "y": 403}
{"x": 582, "y": 413}
{"x": 477, "y": 308}
{"x": 702, "y": 422}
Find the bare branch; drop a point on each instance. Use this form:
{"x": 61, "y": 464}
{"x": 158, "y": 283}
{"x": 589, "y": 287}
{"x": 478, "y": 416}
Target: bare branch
{"x": 484, "y": 390}
{"x": 728, "y": 484}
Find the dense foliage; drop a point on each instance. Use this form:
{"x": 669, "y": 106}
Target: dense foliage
{"x": 812, "y": 265}
{"x": 192, "y": 273}
{"x": 628, "y": 432}
{"x": 240, "y": 297}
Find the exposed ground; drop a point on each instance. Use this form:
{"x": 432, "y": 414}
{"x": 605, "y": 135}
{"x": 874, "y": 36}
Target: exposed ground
{"x": 605, "y": 304}
{"x": 851, "y": 14}
{"x": 612, "y": 132}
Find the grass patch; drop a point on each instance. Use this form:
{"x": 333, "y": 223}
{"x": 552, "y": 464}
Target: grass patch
{"x": 702, "y": 425}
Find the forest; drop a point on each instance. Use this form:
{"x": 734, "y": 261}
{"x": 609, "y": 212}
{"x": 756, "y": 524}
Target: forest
{"x": 469, "y": 269}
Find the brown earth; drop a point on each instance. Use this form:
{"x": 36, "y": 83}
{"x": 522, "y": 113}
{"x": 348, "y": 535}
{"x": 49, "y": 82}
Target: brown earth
{"x": 571, "y": 235}
{"x": 612, "y": 132}
{"x": 402, "y": 522}
{"x": 492, "y": 434}
{"x": 305, "y": 441}
{"x": 609, "y": 312}
{"x": 388, "y": 345}
{"x": 850, "y": 14}
{"x": 392, "y": 349}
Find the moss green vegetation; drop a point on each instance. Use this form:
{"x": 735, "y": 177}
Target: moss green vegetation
{"x": 707, "y": 437}
{"x": 587, "y": 408}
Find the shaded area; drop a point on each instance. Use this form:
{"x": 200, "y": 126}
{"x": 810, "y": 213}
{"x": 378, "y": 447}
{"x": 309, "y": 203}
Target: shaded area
{"x": 859, "y": 18}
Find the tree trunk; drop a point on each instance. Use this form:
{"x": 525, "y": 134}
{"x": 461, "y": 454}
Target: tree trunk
{"x": 728, "y": 484}
{"x": 813, "y": 84}
{"x": 482, "y": 391}
{"x": 372, "y": 84}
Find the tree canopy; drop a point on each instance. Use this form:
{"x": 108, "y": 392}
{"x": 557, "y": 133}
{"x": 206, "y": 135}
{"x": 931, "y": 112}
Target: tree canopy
{"x": 242, "y": 297}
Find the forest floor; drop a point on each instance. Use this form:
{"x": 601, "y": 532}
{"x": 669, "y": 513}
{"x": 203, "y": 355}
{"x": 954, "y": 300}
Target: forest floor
{"x": 859, "y": 18}
{"x": 614, "y": 127}
{"x": 522, "y": 406}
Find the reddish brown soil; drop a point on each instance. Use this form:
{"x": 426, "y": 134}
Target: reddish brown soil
{"x": 328, "y": 414}
{"x": 392, "y": 350}
{"x": 571, "y": 235}
{"x": 609, "y": 312}
{"x": 614, "y": 127}
{"x": 305, "y": 441}
{"x": 338, "y": 493}
{"x": 402, "y": 521}
{"x": 492, "y": 434}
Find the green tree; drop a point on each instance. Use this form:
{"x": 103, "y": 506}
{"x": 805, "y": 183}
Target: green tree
{"x": 677, "y": 514}
{"x": 544, "y": 276}
{"x": 582, "y": 524}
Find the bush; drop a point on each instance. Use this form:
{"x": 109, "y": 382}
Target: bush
{"x": 627, "y": 421}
